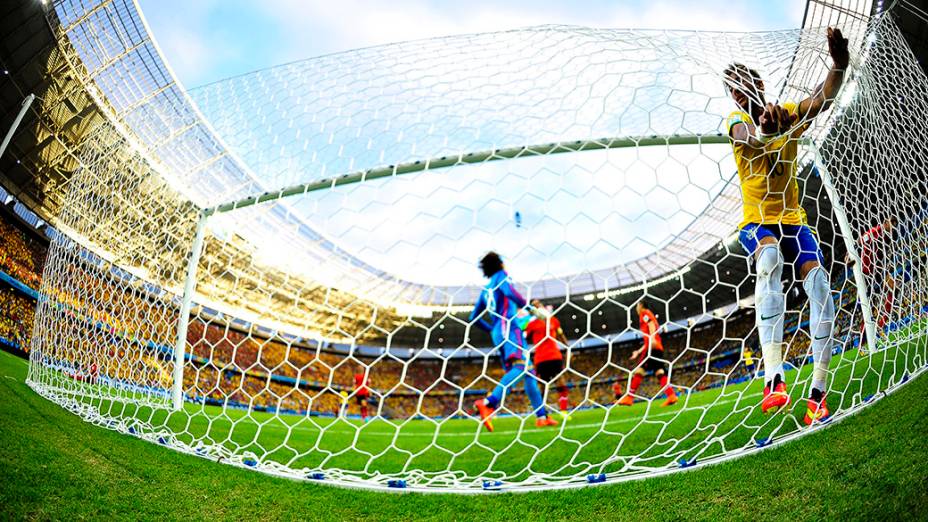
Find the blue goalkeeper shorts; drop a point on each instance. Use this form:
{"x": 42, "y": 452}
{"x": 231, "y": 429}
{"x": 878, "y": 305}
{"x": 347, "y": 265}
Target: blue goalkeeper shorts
{"x": 797, "y": 243}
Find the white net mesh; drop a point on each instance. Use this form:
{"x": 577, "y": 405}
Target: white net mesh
{"x": 597, "y": 162}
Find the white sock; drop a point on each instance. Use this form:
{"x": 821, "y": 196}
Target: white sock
{"x": 773, "y": 362}
{"x": 821, "y": 319}
{"x": 770, "y": 304}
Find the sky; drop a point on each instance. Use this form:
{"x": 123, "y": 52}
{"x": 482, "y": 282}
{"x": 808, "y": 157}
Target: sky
{"x": 208, "y": 40}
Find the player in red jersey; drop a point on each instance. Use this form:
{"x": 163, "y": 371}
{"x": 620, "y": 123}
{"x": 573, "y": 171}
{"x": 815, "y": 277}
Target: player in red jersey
{"x": 544, "y": 332}
{"x": 875, "y": 246}
{"x": 648, "y": 357}
{"x": 362, "y": 393}
{"x": 617, "y": 390}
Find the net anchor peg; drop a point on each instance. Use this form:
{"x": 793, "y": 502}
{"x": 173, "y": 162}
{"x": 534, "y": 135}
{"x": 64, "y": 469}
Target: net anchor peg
{"x": 492, "y": 485}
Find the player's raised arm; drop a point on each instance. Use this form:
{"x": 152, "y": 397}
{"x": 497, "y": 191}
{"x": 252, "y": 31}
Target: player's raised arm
{"x": 825, "y": 93}
{"x": 774, "y": 121}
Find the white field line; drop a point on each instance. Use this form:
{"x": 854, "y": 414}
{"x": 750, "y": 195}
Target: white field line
{"x": 517, "y": 432}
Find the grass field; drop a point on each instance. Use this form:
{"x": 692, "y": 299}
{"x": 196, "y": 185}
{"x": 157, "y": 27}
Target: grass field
{"x": 431, "y": 453}
{"x": 56, "y": 466}
{"x": 616, "y": 440}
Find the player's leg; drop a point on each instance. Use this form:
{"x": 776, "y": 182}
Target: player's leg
{"x": 889, "y": 289}
{"x": 362, "y": 404}
{"x": 558, "y": 379}
{"x": 514, "y": 364}
{"x": 664, "y": 378}
{"x": 486, "y": 405}
{"x": 563, "y": 396}
{"x": 514, "y": 371}
{"x": 550, "y": 373}
{"x": 544, "y": 372}
{"x": 821, "y": 320}
{"x": 536, "y": 400}
{"x": 770, "y": 305}
{"x": 515, "y": 350}
{"x": 637, "y": 376}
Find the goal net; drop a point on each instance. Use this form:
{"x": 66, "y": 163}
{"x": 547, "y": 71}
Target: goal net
{"x": 302, "y": 304}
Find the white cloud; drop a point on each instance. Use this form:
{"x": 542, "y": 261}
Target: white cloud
{"x": 315, "y": 28}
{"x": 208, "y": 40}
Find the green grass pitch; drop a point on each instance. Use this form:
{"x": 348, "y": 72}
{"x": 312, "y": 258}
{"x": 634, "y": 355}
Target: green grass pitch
{"x": 871, "y": 465}
{"x": 636, "y": 439}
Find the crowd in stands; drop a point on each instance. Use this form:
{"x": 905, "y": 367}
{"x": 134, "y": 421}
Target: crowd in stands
{"x": 122, "y": 332}
{"x": 17, "y": 313}
{"x": 21, "y": 256}
{"x": 232, "y": 366}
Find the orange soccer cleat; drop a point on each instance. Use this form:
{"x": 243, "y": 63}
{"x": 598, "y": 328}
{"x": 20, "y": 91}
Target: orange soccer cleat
{"x": 775, "y": 400}
{"x": 545, "y": 421}
{"x": 670, "y": 401}
{"x": 816, "y": 412}
{"x": 627, "y": 400}
{"x": 484, "y": 411}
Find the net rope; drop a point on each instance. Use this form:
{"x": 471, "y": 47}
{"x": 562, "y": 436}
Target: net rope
{"x": 302, "y": 302}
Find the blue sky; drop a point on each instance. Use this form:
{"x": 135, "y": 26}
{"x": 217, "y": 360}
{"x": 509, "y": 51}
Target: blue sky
{"x": 208, "y": 40}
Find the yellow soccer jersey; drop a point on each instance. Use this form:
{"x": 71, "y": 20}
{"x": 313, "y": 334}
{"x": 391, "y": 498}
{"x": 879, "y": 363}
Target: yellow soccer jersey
{"x": 769, "y": 191}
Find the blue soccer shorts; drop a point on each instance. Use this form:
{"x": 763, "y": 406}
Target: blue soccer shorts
{"x": 797, "y": 243}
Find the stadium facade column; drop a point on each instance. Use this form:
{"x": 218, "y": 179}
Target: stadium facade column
{"x": 183, "y": 319}
{"x": 848, "y": 234}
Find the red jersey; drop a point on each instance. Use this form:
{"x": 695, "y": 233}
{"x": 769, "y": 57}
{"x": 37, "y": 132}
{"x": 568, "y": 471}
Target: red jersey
{"x": 874, "y": 244}
{"x": 542, "y": 333}
{"x": 650, "y": 341}
{"x": 359, "y": 385}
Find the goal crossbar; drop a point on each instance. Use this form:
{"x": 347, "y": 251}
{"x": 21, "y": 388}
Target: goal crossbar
{"x": 468, "y": 158}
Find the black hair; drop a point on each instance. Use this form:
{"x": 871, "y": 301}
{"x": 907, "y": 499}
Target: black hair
{"x": 740, "y": 70}
{"x": 491, "y": 264}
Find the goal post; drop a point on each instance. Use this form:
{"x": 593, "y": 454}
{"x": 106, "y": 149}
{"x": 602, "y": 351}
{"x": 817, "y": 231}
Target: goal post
{"x": 183, "y": 317}
{"x": 850, "y": 244}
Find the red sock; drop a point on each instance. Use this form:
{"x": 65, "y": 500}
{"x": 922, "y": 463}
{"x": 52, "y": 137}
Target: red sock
{"x": 363, "y": 412}
{"x": 562, "y": 401}
{"x": 636, "y": 381}
{"x": 668, "y": 390}
{"x": 887, "y": 309}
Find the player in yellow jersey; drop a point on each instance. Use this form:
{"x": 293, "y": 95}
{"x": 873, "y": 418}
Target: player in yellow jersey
{"x": 765, "y": 138}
